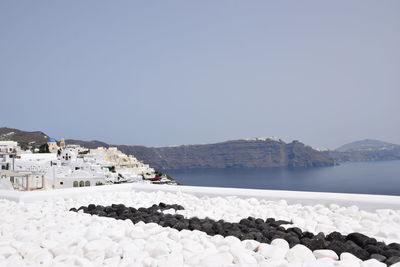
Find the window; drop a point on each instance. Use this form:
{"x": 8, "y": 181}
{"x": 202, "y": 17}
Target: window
{"x": 81, "y": 183}
{"x": 87, "y": 183}
{"x": 75, "y": 183}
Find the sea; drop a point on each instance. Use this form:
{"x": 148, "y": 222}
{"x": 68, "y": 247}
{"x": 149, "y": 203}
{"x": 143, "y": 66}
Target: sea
{"x": 379, "y": 177}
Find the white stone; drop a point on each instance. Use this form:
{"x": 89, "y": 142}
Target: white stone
{"x": 325, "y": 253}
{"x": 156, "y": 249}
{"x": 282, "y": 243}
{"x": 29, "y": 229}
{"x": 243, "y": 257}
{"x": 271, "y": 252}
{"x": 350, "y": 257}
{"x": 372, "y": 263}
{"x": 7, "y": 251}
{"x": 348, "y": 263}
{"x": 325, "y": 262}
{"x": 217, "y": 259}
{"x": 300, "y": 253}
{"x": 273, "y": 263}
{"x": 251, "y": 244}
{"x": 98, "y": 244}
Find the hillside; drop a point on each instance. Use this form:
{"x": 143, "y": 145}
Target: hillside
{"x": 365, "y": 150}
{"x": 24, "y": 138}
{"x": 367, "y": 144}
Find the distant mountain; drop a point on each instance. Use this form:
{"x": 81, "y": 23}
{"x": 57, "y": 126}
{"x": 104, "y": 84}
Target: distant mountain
{"x": 24, "y": 138}
{"x": 88, "y": 144}
{"x": 365, "y": 150}
{"x": 367, "y": 144}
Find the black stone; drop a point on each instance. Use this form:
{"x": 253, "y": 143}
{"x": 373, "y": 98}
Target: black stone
{"x": 317, "y": 243}
{"x": 391, "y": 252}
{"x": 336, "y": 236}
{"x": 295, "y": 230}
{"x": 378, "y": 257}
{"x": 373, "y": 249}
{"x": 360, "y": 239}
{"x": 308, "y": 234}
{"x": 359, "y": 253}
{"x": 395, "y": 246}
{"x": 337, "y": 246}
{"x": 392, "y": 260}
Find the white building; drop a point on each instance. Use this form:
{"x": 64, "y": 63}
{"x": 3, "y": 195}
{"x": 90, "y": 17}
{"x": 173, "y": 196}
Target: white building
{"x": 8, "y": 152}
{"x": 78, "y": 178}
{"x": 24, "y": 181}
{"x": 125, "y": 162}
{"x": 69, "y": 166}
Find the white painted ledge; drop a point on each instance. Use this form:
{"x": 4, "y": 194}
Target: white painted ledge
{"x": 363, "y": 201}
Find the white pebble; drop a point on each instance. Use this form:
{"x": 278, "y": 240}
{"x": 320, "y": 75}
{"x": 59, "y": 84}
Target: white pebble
{"x": 271, "y": 252}
{"x": 349, "y": 257}
{"x": 372, "y": 263}
{"x": 325, "y": 253}
{"x": 300, "y": 253}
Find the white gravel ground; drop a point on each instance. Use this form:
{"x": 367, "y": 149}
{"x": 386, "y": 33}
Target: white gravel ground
{"x": 46, "y": 234}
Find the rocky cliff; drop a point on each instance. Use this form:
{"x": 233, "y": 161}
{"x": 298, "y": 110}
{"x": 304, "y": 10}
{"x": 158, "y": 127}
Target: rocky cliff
{"x": 231, "y": 154}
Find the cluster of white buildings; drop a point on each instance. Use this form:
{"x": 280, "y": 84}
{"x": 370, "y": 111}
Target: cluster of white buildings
{"x": 69, "y": 166}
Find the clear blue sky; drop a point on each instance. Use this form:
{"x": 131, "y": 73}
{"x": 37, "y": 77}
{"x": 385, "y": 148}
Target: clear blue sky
{"x": 183, "y": 72}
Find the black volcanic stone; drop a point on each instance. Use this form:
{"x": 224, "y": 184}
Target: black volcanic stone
{"x": 361, "y": 240}
{"x": 292, "y": 239}
{"x": 391, "y": 252}
{"x": 318, "y": 243}
{"x": 359, "y": 253}
{"x": 252, "y": 228}
{"x": 338, "y": 247}
{"x": 295, "y": 230}
{"x": 373, "y": 249}
{"x": 395, "y": 246}
{"x": 392, "y": 260}
{"x": 308, "y": 234}
{"x": 378, "y": 257}
{"x": 336, "y": 236}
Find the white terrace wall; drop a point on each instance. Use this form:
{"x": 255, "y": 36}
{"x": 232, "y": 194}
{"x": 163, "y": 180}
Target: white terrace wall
{"x": 366, "y": 202}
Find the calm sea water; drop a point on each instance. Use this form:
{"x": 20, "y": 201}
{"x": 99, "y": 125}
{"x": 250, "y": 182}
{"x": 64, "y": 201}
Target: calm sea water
{"x": 360, "y": 177}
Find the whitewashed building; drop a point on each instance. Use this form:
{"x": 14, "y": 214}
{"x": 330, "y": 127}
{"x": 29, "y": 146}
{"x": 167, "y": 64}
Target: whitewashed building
{"x": 8, "y": 152}
{"x": 78, "y": 178}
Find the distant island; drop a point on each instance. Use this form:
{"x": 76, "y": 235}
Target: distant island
{"x": 251, "y": 153}
{"x": 365, "y": 150}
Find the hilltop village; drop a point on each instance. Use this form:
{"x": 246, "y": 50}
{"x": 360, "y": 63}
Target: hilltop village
{"x": 59, "y": 165}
